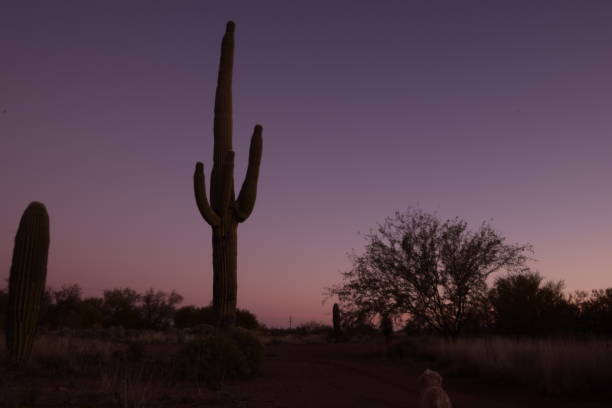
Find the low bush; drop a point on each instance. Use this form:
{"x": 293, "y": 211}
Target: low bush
{"x": 219, "y": 356}
{"x": 313, "y": 327}
{"x": 191, "y": 316}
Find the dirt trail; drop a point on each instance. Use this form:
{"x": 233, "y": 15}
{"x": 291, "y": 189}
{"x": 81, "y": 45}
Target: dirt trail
{"x": 355, "y": 376}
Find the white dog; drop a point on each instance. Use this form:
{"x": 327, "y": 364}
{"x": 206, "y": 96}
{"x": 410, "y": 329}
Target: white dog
{"x": 433, "y": 396}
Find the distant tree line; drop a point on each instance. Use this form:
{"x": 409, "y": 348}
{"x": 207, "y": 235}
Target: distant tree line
{"x": 524, "y": 305}
{"x": 432, "y": 276}
{"x": 521, "y": 305}
{"x": 155, "y": 310}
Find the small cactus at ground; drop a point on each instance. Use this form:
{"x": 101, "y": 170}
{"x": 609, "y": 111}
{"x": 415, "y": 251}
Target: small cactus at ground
{"x": 336, "y": 321}
{"x": 27, "y": 281}
{"x": 386, "y": 326}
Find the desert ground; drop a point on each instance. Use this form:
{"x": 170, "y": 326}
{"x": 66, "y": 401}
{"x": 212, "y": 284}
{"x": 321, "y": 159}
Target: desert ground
{"x": 355, "y": 375}
{"x": 294, "y": 374}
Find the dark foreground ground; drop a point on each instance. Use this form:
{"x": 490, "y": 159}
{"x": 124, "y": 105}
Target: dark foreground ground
{"x": 348, "y": 375}
{"x": 356, "y": 375}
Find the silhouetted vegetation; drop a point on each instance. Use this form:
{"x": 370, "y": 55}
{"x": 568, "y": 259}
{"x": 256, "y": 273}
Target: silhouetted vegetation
{"x": 130, "y": 369}
{"x": 359, "y": 329}
{"x": 306, "y": 329}
{"x": 190, "y": 316}
{"x": 522, "y": 305}
{"x": 225, "y": 211}
{"x": 594, "y": 311}
{"x": 336, "y": 320}
{"x": 65, "y": 308}
{"x": 221, "y": 355}
{"x": 27, "y": 281}
{"x": 386, "y": 327}
{"x": 552, "y": 366}
{"x": 433, "y": 270}
{"x": 432, "y": 276}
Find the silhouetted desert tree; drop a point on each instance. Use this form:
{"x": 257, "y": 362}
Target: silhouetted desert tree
{"x": 158, "y": 308}
{"x": 433, "y": 270}
{"x": 524, "y": 305}
{"x": 595, "y": 312}
{"x": 125, "y": 307}
{"x": 91, "y": 311}
{"x": 225, "y": 211}
{"x": 64, "y": 308}
{"x": 121, "y": 308}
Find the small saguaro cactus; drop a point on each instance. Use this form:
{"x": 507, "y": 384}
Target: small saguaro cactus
{"x": 27, "y": 281}
{"x": 225, "y": 211}
{"x": 336, "y": 321}
{"x": 386, "y": 326}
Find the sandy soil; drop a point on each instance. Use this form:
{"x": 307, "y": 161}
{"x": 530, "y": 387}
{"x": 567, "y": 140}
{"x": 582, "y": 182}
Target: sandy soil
{"x": 346, "y": 375}
{"x": 356, "y": 375}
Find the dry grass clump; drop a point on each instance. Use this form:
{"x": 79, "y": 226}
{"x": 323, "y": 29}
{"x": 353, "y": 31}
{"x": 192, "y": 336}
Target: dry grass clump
{"x": 293, "y": 339}
{"x": 68, "y": 355}
{"x": 214, "y": 358}
{"x": 311, "y": 332}
{"x": 555, "y": 366}
{"x": 129, "y": 370}
{"x": 128, "y": 386}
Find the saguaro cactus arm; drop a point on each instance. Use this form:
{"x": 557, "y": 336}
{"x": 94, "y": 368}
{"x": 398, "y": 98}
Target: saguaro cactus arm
{"x": 200, "y": 193}
{"x": 246, "y": 199}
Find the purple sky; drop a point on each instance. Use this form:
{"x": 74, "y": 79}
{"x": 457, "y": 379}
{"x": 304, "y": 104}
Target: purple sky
{"x": 486, "y": 110}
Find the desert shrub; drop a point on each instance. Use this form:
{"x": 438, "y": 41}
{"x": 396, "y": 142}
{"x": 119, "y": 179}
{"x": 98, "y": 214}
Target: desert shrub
{"x": 313, "y": 327}
{"x": 135, "y": 351}
{"x": 202, "y": 330}
{"x": 361, "y": 330}
{"x": 128, "y": 386}
{"x": 246, "y": 320}
{"x": 596, "y": 312}
{"x": 70, "y": 355}
{"x": 158, "y": 308}
{"x": 186, "y": 317}
{"x": 523, "y": 305}
{"x": 190, "y": 316}
{"x": 219, "y": 356}
{"x": 403, "y": 349}
{"x": 121, "y": 308}
{"x": 251, "y": 348}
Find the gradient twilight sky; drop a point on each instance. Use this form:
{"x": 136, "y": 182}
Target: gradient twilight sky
{"x": 486, "y": 110}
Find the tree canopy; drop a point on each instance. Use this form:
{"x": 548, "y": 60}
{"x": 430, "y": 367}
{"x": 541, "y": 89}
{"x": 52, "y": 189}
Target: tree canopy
{"x": 522, "y": 304}
{"x": 433, "y": 271}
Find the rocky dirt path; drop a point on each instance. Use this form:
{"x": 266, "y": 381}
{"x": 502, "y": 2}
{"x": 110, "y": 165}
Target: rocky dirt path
{"x": 355, "y": 376}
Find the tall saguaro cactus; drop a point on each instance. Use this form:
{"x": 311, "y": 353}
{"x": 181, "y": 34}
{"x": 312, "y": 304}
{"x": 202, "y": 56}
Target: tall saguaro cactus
{"x": 27, "y": 281}
{"x": 224, "y": 211}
